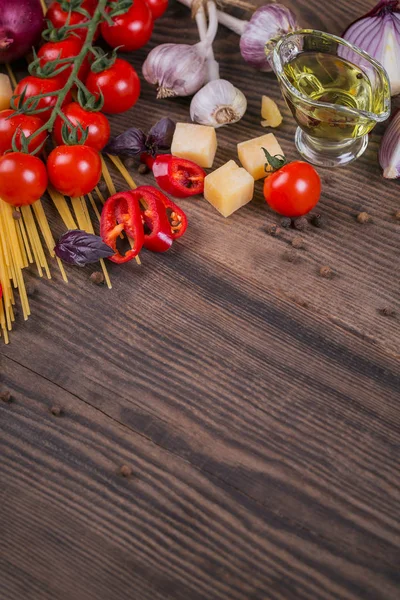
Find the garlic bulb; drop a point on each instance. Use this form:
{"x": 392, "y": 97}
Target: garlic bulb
{"x": 176, "y": 69}
{"x": 389, "y": 151}
{"x": 218, "y": 103}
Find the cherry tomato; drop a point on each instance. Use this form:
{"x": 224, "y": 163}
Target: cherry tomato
{"x": 96, "y": 122}
{"x": 59, "y": 17}
{"x": 28, "y": 124}
{"x": 68, "y": 48}
{"x": 35, "y": 85}
{"x": 131, "y": 30}
{"x": 293, "y": 190}
{"x": 74, "y": 170}
{"x": 157, "y": 7}
{"x": 23, "y": 178}
{"x": 119, "y": 84}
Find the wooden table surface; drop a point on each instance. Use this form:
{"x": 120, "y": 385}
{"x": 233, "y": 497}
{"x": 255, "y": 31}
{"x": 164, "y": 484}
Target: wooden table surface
{"x": 254, "y": 403}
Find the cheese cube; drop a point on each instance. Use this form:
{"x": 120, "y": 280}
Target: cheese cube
{"x": 195, "y": 142}
{"x": 228, "y": 188}
{"x": 5, "y": 91}
{"x": 252, "y": 156}
{"x": 270, "y": 113}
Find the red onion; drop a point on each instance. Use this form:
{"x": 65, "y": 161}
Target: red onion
{"x": 378, "y": 33}
{"x": 389, "y": 152}
{"x": 21, "y": 23}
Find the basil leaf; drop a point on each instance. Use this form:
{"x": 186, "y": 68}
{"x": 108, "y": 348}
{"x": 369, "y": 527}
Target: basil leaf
{"x": 160, "y": 136}
{"x": 77, "y": 247}
{"x": 130, "y": 143}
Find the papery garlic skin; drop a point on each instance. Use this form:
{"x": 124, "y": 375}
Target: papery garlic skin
{"x": 389, "y": 151}
{"x": 267, "y": 23}
{"x": 378, "y": 33}
{"x": 176, "y": 69}
{"x": 218, "y": 103}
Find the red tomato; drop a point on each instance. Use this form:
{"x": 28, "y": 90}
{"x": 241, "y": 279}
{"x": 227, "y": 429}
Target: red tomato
{"x": 35, "y": 85}
{"x": 74, "y": 170}
{"x": 119, "y": 84}
{"x": 157, "y": 7}
{"x": 96, "y": 122}
{"x": 28, "y": 124}
{"x": 59, "y": 17}
{"x": 23, "y": 178}
{"x": 68, "y": 48}
{"x": 131, "y": 30}
{"x": 293, "y": 190}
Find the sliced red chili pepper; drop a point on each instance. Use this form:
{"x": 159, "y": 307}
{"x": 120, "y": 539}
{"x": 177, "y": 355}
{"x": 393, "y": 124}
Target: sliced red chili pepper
{"x": 177, "y": 219}
{"x": 157, "y": 229}
{"x": 178, "y": 176}
{"x": 121, "y": 212}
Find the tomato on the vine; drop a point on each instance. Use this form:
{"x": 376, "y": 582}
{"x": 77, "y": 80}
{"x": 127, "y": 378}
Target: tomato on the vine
{"x": 10, "y": 122}
{"x": 59, "y": 17}
{"x": 157, "y": 7}
{"x": 23, "y": 178}
{"x": 293, "y": 189}
{"x": 95, "y": 122}
{"x": 36, "y": 85}
{"x": 68, "y": 48}
{"x": 74, "y": 170}
{"x": 132, "y": 29}
{"x": 119, "y": 84}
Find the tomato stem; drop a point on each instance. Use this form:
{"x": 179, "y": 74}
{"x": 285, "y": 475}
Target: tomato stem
{"x": 274, "y": 163}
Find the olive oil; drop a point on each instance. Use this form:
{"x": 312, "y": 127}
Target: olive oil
{"x": 327, "y": 78}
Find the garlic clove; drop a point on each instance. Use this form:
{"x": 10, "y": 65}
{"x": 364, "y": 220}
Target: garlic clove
{"x": 218, "y": 103}
{"x": 270, "y": 113}
{"x": 176, "y": 69}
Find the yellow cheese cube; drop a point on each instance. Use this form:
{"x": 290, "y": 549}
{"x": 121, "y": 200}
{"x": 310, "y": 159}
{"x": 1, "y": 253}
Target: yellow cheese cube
{"x": 270, "y": 113}
{"x": 228, "y": 188}
{"x": 252, "y": 156}
{"x": 195, "y": 142}
{"x": 5, "y": 91}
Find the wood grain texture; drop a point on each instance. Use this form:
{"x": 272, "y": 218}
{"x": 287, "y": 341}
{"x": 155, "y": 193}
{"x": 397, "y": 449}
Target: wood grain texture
{"x": 73, "y": 527}
{"x": 257, "y": 403}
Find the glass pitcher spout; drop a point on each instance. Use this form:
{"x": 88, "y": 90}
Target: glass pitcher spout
{"x": 335, "y": 91}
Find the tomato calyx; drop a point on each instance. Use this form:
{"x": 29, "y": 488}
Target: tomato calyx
{"x": 103, "y": 59}
{"x": 52, "y": 68}
{"x": 20, "y": 138}
{"x": 74, "y": 135}
{"x": 274, "y": 163}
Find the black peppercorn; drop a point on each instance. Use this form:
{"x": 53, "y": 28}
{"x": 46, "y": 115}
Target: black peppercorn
{"x": 129, "y": 162}
{"x": 6, "y": 397}
{"x": 300, "y": 224}
{"x": 16, "y": 214}
{"x": 317, "y": 220}
{"x": 125, "y": 471}
{"x": 363, "y": 217}
{"x": 56, "y": 411}
{"x": 143, "y": 169}
{"x": 326, "y": 272}
{"x": 97, "y": 278}
{"x": 291, "y": 256}
{"x": 273, "y": 230}
{"x": 298, "y": 242}
{"x": 286, "y": 222}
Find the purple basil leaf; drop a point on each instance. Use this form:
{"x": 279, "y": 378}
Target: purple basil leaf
{"x": 130, "y": 143}
{"x": 77, "y": 247}
{"x": 160, "y": 136}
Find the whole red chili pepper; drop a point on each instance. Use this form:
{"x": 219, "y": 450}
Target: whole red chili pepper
{"x": 176, "y": 176}
{"x": 176, "y": 217}
{"x": 157, "y": 229}
{"x": 121, "y": 212}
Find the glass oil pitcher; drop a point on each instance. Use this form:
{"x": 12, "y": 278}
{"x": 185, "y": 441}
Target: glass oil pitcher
{"x": 335, "y": 91}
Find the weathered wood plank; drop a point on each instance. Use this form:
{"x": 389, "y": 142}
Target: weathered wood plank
{"x": 73, "y": 527}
